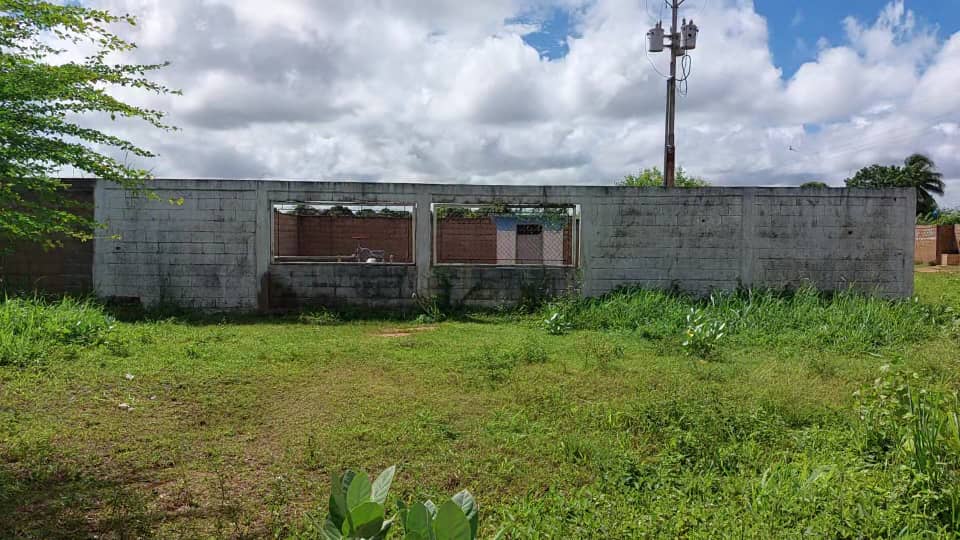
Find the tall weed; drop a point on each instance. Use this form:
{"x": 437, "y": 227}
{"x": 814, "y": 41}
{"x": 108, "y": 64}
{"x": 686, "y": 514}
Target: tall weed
{"x": 845, "y": 321}
{"x": 916, "y": 431}
{"x": 33, "y": 329}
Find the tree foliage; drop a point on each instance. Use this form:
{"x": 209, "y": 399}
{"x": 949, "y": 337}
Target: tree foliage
{"x": 815, "y": 185}
{"x": 940, "y": 216}
{"x": 653, "y": 177}
{"x": 918, "y": 171}
{"x": 44, "y": 95}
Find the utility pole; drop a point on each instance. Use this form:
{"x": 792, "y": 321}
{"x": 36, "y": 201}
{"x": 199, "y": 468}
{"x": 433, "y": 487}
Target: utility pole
{"x": 680, "y": 43}
{"x": 669, "y": 146}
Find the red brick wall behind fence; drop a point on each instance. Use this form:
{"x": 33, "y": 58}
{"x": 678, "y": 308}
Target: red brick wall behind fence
{"x": 64, "y": 270}
{"x": 338, "y": 236}
{"x": 474, "y": 241}
{"x": 467, "y": 241}
{"x": 931, "y": 241}
{"x": 459, "y": 240}
{"x": 925, "y": 244}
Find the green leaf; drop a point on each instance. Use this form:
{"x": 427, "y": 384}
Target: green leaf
{"x": 331, "y": 531}
{"x": 382, "y": 485}
{"x": 418, "y": 522}
{"x": 359, "y": 491}
{"x": 367, "y": 519}
{"x": 384, "y": 530}
{"x": 451, "y": 523}
{"x": 338, "y": 497}
{"x": 468, "y": 504}
{"x": 45, "y": 99}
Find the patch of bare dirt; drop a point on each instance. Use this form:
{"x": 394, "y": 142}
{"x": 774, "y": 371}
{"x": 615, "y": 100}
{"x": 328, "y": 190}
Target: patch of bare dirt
{"x": 404, "y": 332}
{"x": 937, "y": 269}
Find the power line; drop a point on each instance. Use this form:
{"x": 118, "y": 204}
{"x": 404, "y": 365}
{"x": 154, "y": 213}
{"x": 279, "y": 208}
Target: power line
{"x": 646, "y": 9}
{"x": 828, "y": 155}
{"x": 686, "y": 68}
{"x": 881, "y": 138}
{"x": 702, "y": 7}
{"x": 865, "y": 147}
{"x": 655, "y": 67}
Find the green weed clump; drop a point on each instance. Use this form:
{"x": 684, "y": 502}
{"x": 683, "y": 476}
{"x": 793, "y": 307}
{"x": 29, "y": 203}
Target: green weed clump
{"x": 33, "y": 329}
{"x": 842, "y": 322}
{"x": 915, "y": 431}
{"x": 600, "y": 352}
{"x": 702, "y": 336}
{"x": 496, "y": 364}
{"x": 556, "y": 324}
{"x": 320, "y": 317}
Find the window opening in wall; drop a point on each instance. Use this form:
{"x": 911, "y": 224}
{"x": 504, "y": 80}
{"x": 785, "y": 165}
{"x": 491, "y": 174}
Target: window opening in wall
{"x": 343, "y": 233}
{"x": 506, "y": 235}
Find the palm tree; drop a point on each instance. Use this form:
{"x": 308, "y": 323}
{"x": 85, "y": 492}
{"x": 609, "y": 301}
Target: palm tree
{"x": 920, "y": 172}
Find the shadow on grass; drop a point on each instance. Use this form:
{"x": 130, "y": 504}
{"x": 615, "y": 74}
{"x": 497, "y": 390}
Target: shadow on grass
{"x": 60, "y": 506}
{"x": 131, "y": 310}
{"x": 332, "y": 315}
{"x": 65, "y": 505}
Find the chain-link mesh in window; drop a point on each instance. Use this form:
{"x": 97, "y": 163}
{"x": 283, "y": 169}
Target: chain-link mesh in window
{"x": 506, "y": 236}
{"x": 343, "y": 233}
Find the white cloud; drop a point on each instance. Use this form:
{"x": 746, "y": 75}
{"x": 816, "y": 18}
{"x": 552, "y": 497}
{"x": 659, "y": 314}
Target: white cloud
{"x": 446, "y": 90}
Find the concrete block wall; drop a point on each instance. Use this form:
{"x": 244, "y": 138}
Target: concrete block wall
{"x": 214, "y": 252}
{"x": 721, "y": 238}
{"x": 300, "y": 285}
{"x": 832, "y": 242}
{"x": 687, "y": 239}
{"x": 498, "y": 286}
{"x": 200, "y": 254}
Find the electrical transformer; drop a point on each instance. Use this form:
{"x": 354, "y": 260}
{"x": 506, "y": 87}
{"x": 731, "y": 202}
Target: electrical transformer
{"x": 655, "y": 38}
{"x": 689, "y": 32}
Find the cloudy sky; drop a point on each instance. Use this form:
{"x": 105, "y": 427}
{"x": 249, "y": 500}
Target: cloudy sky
{"x": 546, "y": 92}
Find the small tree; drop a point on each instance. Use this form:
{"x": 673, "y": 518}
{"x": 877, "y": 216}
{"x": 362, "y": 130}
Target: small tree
{"x": 918, "y": 171}
{"x": 41, "y": 99}
{"x": 653, "y": 177}
{"x": 814, "y": 185}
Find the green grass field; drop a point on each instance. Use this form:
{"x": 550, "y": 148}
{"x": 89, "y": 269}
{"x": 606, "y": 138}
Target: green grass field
{"x": 613, "y": 429}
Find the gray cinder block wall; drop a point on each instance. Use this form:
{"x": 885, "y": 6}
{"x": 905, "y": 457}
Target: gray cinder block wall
{"x": 213, "y": 251}
{"x": 200, "y": 254}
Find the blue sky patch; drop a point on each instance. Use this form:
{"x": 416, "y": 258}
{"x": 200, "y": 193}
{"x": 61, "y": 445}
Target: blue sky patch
{"x": 556, "y": 26}
{"x": 796, "y": 27}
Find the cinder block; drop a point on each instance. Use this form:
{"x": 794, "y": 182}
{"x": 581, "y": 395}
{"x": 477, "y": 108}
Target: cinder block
{"x": 209, "y": 204}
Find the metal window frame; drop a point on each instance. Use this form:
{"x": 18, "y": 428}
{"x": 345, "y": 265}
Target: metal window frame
{"x": 574, "y": 237}
{"x": 305, "y": 260}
